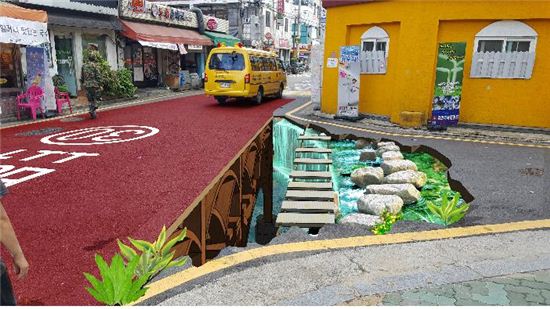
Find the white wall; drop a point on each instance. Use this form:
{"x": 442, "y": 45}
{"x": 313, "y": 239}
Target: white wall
{"x": 76, "y": 35}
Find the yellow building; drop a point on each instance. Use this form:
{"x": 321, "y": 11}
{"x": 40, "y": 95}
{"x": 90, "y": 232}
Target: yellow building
{"x": 506, "y": 69}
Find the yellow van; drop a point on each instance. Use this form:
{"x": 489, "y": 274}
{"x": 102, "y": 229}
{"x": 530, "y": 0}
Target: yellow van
{"x": 243, "y": 73}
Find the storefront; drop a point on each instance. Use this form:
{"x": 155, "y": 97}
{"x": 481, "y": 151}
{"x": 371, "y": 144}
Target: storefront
{"x": 152, "y": 52}
{"x": 161, "y": 43}
{"x": 24, "y": 54}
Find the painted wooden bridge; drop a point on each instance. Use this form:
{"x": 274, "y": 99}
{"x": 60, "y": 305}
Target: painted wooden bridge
{"x": 310, "y": 201}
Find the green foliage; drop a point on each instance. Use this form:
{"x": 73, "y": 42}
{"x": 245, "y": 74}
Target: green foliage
{"x": 97, "y": 73}
{"x": 124, "y": 85}
{"x": 436, "y": 186}
{"x": 119, "y": 284}
{"x": 123, "y": 283}
{"x": 59, "y": 82}
{"x": 154, "y": 256}
{"x": 449, "y": 212}
{"x": 385, "y": 226}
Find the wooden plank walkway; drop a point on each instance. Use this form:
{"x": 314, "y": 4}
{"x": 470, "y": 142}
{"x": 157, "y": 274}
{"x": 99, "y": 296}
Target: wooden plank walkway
{"x": 314, "y": 138}
{"x": 297, "y": 195}
{"x": 311, "y": 175}
{"x": 304, "y": 220}
{"x": 309, "y": 204}
{"x": 321, "y": 186}
{"x": 312, "y": 161}
{"x": 314, "y": 150}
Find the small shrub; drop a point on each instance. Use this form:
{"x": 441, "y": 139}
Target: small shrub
{"x": 123, "y": 283}
{"x": 385, "y": 226}
{"x": 448, "y": 212}
{"x": 154, "y": 256}
{"x": 119, "y": 285}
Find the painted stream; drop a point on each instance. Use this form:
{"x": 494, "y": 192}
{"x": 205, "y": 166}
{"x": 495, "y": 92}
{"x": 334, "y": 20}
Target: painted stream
{"x": 345, "y": 160}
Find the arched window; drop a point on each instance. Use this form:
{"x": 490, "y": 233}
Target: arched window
{"x": 374, "y": 51}
{"x": 504, "y": 49}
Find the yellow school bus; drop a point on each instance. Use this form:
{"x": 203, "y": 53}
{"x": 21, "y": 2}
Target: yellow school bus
{"x": 238, "y": 72}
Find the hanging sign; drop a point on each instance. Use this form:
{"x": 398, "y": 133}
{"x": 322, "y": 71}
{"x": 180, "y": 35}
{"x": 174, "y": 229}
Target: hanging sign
{"x": 348, "y": 81}
{"x": 448, "y": 84}
{"x": 332, "y": 63}
{"x": 22, "y": 32}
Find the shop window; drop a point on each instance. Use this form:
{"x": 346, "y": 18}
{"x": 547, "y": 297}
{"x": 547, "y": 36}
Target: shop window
{"x": 504, "y": 49}
{"x": 267, "y": 18}
{"x": 9, "y": 66}
{"x": 374, "y": 51}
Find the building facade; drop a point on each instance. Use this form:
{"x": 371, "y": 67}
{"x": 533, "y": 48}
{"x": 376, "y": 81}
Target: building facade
{"x": 504, "y": 69}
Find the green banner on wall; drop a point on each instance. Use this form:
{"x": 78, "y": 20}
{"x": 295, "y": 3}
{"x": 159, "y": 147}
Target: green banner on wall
{"x": 448, "y": 83}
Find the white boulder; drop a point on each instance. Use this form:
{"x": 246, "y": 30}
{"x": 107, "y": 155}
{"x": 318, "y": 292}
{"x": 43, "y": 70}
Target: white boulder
{"x": 363, "y": 219}
{"x": 365, "y": 176}
{"x": 392, "y": 155}
{"x": 394, "y": 166}
{"x": 376, "y": 204}
{"x": 368, "y": 155}
{"x": 418, "y": 179}
{"x": 384, "y": 144}
{"x": 407, "y": 192}
{"x": 386, "y": 148}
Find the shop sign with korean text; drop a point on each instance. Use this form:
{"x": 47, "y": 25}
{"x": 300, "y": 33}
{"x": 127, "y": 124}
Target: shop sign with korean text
{"x": 23, "y": 32}
{"x": 151, "y": 11}
{"x": 448, "y": 84}
{"x": 349, "y": 70}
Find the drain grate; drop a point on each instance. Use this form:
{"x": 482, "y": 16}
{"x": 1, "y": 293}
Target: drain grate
{"x": 72, "y": 119}
{"x": 45, "y": 131}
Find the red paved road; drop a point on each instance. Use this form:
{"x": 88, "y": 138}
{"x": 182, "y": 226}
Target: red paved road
{"x": 129, "y": 189}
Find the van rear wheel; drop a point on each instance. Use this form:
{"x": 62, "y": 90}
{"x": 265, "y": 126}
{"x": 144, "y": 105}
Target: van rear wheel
{"x": 280, "y": 93}
{"x": 259, "y": 96}
{"x": 221, "y": 100}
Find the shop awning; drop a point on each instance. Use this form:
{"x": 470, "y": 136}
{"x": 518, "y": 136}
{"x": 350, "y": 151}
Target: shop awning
{"x": 226, "y": 39}
{"x": 162, "y": 34}
{"x": 109, "y": 23}
{"x": 17, "y": 12}
{"x": 23, "y": 26}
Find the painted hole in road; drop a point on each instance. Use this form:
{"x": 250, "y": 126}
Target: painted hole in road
{"x": 44, "y": 131}
{"x": 100, "y": 135}
{"x": 532, "y": 171}
{"x": 72, "y": 119}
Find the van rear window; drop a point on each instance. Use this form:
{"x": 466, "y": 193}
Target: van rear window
{"x": 226, "y": 61}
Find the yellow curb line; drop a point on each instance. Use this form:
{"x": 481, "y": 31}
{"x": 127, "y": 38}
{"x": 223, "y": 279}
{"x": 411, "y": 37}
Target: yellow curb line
{"x": 116, "y": 106}
{"x": 292, "y": 116}
{"x": 187, "y": 275}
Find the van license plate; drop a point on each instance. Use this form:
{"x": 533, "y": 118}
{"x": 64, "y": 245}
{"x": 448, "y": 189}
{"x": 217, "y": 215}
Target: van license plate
{"x": 225, "y": 85}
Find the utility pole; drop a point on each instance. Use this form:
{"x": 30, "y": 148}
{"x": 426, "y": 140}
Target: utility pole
{"x": 297, "y": 37}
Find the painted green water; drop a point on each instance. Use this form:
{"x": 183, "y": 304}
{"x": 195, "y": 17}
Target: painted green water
{"x": 345, "y": 160}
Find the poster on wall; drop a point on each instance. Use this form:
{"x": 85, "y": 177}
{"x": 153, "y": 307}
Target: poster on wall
{"x": 36, "y": 66}
{"x": 348, "y": 82}
{"x": 448, "y": 84}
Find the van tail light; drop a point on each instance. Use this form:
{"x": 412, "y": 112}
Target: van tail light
{"x": 205, "y": 77}
{"x": 247, "y": 79}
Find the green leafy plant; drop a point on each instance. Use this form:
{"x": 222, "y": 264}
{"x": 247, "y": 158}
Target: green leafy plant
{"x": 113, "y": 83}
{"x": 388, "y": 219}
{"x": 154, "y": 256}
{"x": 119, "y": 284}
{"x": 124, "y": 86}
{"x": 448, "y": 212}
